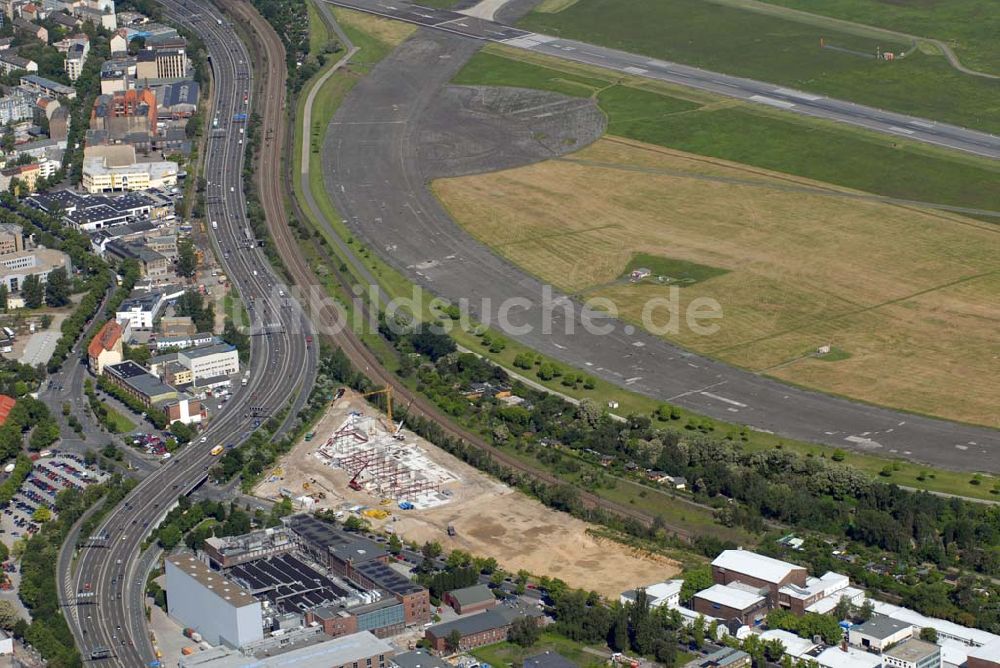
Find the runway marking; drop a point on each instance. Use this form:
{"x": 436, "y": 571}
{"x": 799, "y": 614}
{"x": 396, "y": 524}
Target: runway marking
{"x": 367, "y": 122}
{"x": 962, "y": 447}
{"x": 629, "y": 381}
{"x": 763, "y": 99}
{"x": 724, "y": 399}
{"x": 799, "y": 94}
{"x": 863, "y": 442}
{"x": 634, "y": 70}
{"x": 895, "y": 128}
{"x": 923, "y": 124}
{"x": 690, "y": 392}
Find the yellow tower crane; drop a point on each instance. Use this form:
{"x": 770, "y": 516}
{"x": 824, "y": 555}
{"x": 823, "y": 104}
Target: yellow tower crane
{"x": 387, "y": 391}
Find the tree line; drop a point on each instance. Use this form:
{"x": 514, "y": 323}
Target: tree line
{"x": 748, "y": 487}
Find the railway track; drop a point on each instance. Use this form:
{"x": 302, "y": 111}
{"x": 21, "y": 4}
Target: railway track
{"x": 274, "y": 185}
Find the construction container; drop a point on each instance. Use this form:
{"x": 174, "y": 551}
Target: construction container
{"x": 196, "y": 637}
{"x": 188, "y": 651}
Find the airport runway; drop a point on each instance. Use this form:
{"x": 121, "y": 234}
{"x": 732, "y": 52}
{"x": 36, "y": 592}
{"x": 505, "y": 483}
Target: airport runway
{"x": 377, "y": 179}
{"x": 802, "y": 102}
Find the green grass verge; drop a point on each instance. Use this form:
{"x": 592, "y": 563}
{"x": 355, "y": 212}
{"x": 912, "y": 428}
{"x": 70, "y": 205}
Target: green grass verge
{"x": 783, "y": 142}
{"x": 396, "y": 285}
{"x": 783, "y": 51}
{"x": 673, "y": 271}
{"x": 970, "y": 27}
{"x": 504, "y": 654}
{"x": 120, "y": 423}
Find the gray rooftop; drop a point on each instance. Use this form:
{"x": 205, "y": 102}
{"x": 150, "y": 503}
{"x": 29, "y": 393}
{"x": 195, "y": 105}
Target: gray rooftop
{"x": 881, "y": 627}
{"x": 418, "y": 659}
{"x": 471, "y": 624}
{"x": 913, "y": 650}
{"x": 195, "y": 353}
{"x": 219, "y": 585}
{"x": 326, "y": 537}
{"x": 726, "y": 656}
{"x": 334, "y": 652}
{"x": 472, "y": 595}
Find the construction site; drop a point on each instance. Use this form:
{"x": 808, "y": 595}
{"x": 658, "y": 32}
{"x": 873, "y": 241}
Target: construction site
{"x": 386, "y": 461}
{"x": 353, "y": 463}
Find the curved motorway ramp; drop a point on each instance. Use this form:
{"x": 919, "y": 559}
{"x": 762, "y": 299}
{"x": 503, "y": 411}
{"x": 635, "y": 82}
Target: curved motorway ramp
{"x": 376, "y": 173}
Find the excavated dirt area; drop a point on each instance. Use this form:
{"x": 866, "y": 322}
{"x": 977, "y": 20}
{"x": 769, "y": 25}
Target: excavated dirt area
{"x": 490, "y": 518}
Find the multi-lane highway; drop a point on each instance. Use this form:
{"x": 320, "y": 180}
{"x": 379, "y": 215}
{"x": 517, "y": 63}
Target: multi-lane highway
{"x": 282, "y": 369}
{"x": 802, "y": 102}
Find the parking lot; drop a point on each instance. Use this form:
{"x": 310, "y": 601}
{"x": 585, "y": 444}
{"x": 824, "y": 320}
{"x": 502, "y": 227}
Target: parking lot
{"x": 49, "y": 476}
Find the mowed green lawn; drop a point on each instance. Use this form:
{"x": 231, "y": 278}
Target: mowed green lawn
{"x": 782, "y": 51}
{"x": 970, "y": 27}
{"x": 504, "y": 654}
{"x": 755, "y": 136}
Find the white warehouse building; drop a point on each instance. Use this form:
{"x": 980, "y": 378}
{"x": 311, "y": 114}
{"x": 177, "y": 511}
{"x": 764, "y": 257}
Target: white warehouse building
{"x": 220, "y": 359}
{"x": 202, "y": 599}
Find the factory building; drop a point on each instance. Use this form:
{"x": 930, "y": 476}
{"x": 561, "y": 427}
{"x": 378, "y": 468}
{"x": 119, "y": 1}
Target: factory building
{"x": 211, "y": 361}
{"x": 360, "y": 560}
{"x": 360, "y": 650}
{"x": 294, "y": 573}
{"x": 202, "y": 599}
{"x": 757, "y": 571}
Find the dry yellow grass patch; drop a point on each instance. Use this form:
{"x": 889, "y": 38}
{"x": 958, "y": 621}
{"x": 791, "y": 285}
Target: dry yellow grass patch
{"x": 389, "y": 32}
{"x": 910, "y": 294}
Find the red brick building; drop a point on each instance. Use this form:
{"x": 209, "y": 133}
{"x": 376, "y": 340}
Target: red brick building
{"x": 987, "y": 656}
{"x": 473, "y": 631}
{"x": 471, "y": 599}
{"x": 731, "y": 602}
{"x": 757, "y": 571}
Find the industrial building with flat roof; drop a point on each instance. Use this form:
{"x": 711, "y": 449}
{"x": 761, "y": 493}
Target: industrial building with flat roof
{"x": 912, "y": 653}
{"x": 138, "y": 383}
{"x": 879, "y": 632}
{"x": 361, "y": 561}
{"x": 217, "y": 608}
{"x": 288, "y": 583}
{"x": 360, "y": 650}
{"x": 732, "y": 602}
{"x": 657, "y": 595}
{"x": 40, "y": 262}
{"x": 221, "y": 359}
{"x": 284, "y": 567}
